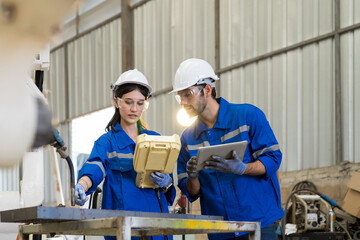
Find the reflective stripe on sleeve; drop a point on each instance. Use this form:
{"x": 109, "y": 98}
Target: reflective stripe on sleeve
{"x": 100, "y": 166}
{"x": 120, "y": 155}
{"x": 195, "y": 147}
{"x": 261, "y": 151}
{"x": 232, "y": 134}
{"x": 182, "y": 175}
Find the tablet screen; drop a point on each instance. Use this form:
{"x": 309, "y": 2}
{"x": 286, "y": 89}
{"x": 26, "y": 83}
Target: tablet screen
{"x": 222, "y": 150}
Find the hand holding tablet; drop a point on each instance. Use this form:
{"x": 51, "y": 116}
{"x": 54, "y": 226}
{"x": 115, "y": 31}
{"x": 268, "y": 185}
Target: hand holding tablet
{"x": 225, "y": 152}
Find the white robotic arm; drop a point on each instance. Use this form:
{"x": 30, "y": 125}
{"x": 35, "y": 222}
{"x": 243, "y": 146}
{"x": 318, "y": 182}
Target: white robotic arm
{"x": 25, "y": 27}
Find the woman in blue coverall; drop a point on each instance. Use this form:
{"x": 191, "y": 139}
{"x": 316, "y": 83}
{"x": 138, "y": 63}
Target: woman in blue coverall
{"x": 111, "y": 158}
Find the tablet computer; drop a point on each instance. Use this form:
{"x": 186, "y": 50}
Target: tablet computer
{"x": 222, "y": 150}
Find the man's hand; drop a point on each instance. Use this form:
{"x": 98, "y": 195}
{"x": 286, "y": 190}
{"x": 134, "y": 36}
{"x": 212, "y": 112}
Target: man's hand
{"x": 191, "y": 168}
{"x": 161, "y": 180}
{"x": 80, "y": 196}
{"x": 234, "y": 165}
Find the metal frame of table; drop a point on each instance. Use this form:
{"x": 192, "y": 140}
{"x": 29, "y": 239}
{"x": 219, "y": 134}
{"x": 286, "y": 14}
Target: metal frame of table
{"x": 123, "y": 227}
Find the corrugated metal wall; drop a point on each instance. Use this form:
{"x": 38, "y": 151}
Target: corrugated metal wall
{"x": 9, "y": 178}
{"x": 166, "y": 33}
{"x": 296, "y": 88}
{"x": 55, "y": 85}
{"x": 350, "y": 75}
{"x": 94, "y": 63}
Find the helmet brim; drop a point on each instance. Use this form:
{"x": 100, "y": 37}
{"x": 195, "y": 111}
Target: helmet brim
{"x": 149, "y": 88}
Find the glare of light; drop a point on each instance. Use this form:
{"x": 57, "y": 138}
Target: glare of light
{"x": 184, "y": 119}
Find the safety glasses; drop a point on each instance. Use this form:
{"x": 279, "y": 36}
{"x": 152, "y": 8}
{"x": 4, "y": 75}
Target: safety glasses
{"x": 129, "y": 103}
{"x": 188, "y": 94}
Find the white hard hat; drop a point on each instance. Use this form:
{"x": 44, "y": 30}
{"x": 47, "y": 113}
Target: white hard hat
{"x": 133, "y": 76}
{"x": 190, "y": 72}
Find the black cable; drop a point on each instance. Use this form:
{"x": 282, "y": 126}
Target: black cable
{"x": 157, "y": 191}
{"x": 72, "y": 180}
{"x": 304, "y": 184}
{"x": 95, "y": 197}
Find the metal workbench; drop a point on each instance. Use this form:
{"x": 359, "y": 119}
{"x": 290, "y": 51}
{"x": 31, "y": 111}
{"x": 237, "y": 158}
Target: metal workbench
{"x": 43, "y": 214}
{"x": 75, "y": 221}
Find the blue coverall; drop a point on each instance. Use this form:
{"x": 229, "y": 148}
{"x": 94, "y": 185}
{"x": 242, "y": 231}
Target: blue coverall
{"x": 235, "y": 197}
{"x": 112, "y": 158}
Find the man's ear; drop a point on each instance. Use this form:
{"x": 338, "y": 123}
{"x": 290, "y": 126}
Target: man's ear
{"x": 207, "y": 90}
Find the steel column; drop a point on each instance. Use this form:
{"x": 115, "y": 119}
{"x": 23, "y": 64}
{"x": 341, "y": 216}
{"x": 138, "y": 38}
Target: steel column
{"x": 338, "y": 120}
{"x": 127, "y": 37}
{"x": 217, "y": 41}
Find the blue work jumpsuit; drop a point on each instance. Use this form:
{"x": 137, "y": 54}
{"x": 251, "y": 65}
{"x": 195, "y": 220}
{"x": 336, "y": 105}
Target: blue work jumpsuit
{"x": 112, "y": 158}
{"x": 235, "y": 197}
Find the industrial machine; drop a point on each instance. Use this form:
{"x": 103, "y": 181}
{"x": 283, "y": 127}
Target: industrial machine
{"x": 310, "y": 213}
{"x": 25, "y": 27}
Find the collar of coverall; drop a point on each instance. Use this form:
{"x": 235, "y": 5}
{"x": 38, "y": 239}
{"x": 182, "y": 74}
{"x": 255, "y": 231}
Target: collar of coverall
{"x": 121, "y": 137}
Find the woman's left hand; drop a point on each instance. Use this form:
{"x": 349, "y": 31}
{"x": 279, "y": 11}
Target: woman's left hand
{"x": 161, "y": 180}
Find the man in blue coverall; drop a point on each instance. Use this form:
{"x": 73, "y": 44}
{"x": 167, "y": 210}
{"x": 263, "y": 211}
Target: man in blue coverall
{"x": 244, "y": 189}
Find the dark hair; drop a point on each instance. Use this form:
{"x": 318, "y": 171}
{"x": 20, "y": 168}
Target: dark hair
{"x": 119, "y": 91}
{"x": 202, "y": 86}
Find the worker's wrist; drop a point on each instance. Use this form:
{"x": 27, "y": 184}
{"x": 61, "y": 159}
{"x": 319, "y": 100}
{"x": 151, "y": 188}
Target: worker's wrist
{"x": 167, "y": 187}
{"x": 242, "y": 168}
{"x": 192, "y": 176}
{"x": 86, "y": 182}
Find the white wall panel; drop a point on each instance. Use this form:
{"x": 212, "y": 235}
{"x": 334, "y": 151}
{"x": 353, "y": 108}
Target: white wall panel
{"x": 251, "y": 28}
{"x": 295, "y": 90}
{"x": 357, "y": 94}
{"x": 55, "y": 85}
{"x": 326, "y": 102}
{"x": 349, "y": 13}
{"x": 166, "y": 33}
{"x": 9, "y": 178}
{"x": 94, "y": 63}
{"x": 325, "y": 17}
{"x": 350, "y": 95}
